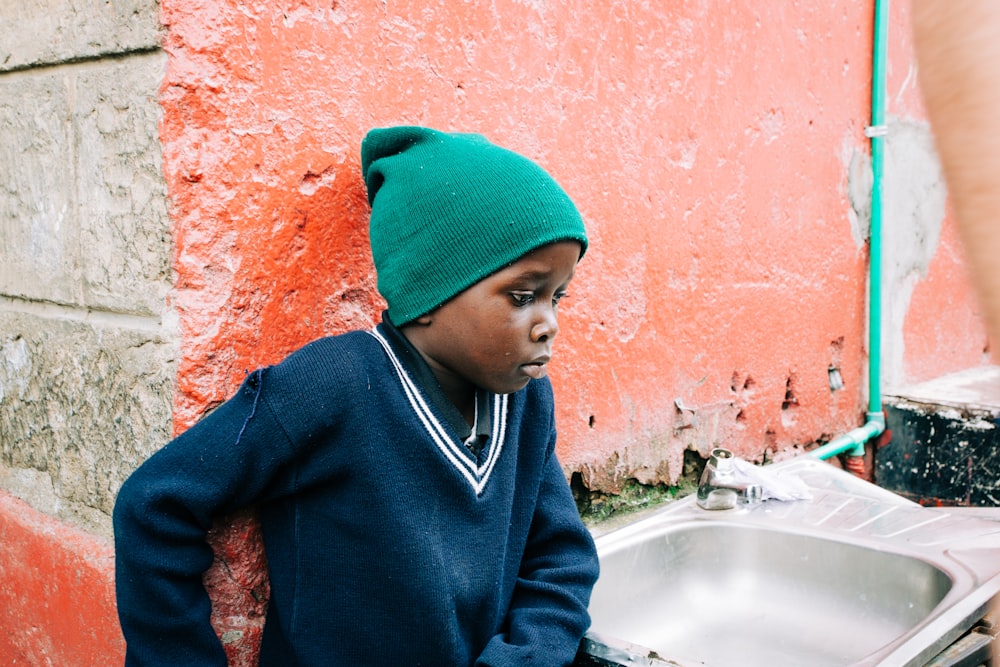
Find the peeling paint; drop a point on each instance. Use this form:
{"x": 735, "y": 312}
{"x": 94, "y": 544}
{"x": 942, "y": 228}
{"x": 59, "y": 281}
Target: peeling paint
{"x": 914, "y": 197}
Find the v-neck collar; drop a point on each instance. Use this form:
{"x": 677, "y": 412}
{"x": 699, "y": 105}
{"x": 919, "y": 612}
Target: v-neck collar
{"x": 428, "y": 382}
{"x": 439, "y": 416}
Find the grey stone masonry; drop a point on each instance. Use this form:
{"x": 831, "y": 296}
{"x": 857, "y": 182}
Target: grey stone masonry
{"x": 87, "y": 338}
{"x": 82, "y": 194}
{"x": 41, "y": 32}
{"x": 84, "y": 402}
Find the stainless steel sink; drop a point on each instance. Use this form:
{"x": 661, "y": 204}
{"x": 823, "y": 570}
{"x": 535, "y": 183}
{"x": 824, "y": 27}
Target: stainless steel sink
{"x": 854, "y": 576}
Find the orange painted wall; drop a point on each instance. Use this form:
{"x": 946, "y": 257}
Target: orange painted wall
{"x": 943, "y": 330}
{"x": 57, "y": 596}
{"x": 706, "y": 143}
{"x": 703, "y": 142}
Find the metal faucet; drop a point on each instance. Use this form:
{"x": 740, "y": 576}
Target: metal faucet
{"x": 721, "y": 488}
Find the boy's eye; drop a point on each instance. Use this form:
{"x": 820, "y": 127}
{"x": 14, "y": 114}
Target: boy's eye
{"x": 522, "y": 298}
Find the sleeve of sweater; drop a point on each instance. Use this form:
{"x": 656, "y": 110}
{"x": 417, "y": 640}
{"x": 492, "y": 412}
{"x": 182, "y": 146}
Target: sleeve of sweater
{"x": 228, "y": 460}
{"x": 548, "y": 613}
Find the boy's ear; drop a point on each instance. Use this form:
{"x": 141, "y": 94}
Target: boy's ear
{"x": 423, "y": 320}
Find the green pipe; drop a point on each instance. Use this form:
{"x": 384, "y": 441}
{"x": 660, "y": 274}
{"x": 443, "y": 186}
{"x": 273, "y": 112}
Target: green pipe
{"x": 853, "y": 442}
{"x": 875, "y": 243}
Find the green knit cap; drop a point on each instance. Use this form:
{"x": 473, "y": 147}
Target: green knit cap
{"x": 450, "y": 209}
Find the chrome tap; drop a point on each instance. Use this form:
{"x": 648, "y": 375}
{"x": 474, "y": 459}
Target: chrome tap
{"x": 721, "y": 488}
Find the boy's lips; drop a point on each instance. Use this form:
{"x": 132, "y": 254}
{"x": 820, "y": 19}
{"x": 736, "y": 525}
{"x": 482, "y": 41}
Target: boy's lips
{"x": 536, "y": 369}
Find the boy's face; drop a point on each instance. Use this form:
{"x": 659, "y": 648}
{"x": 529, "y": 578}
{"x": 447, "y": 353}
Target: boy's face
{"x": 498, "y": 334}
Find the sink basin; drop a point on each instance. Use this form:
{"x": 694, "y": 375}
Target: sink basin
{"x": 853, "y": 576}
{"x": 712, "y": 592}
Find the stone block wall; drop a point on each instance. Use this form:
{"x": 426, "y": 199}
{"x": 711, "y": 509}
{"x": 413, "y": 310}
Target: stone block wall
{"x": 86, "y": 342}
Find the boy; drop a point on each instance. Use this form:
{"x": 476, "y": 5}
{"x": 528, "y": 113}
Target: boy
{"x": 412, "y": 507}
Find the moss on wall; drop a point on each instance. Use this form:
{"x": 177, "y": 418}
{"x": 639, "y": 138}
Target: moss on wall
{"x": 596, "y": 506}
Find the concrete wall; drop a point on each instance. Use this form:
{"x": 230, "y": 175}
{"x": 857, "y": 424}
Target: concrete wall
{"x": 87, "y": 344}
{"x": 716, "y": 149}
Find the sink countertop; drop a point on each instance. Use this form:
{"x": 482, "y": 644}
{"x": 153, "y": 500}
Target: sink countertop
{"x": 963, "y": 542}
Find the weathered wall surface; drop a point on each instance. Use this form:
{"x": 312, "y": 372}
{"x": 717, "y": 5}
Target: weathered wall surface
{"x": 47, "y": 32}
{"x": 57, "y": 602}
{"x": 87, "y": 344}
{"x": 931, "y": 324}
{"x": 86, "y": 340}
{"x": 716, "y": 150}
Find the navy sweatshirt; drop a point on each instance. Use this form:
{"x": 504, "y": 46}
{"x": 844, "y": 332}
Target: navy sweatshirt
{"x": 389, "y": 542}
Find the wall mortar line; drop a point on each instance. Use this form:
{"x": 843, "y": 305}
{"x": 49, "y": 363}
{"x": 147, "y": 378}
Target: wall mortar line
{"x": 93, "y": 316}
{"x": 40, "y": 66}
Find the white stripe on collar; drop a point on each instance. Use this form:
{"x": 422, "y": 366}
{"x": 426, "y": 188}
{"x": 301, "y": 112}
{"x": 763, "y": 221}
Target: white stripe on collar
{"x": 477, "y": 476}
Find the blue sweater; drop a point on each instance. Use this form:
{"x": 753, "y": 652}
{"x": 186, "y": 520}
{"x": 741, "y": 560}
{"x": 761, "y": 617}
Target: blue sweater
{"x": 388, "y": 541}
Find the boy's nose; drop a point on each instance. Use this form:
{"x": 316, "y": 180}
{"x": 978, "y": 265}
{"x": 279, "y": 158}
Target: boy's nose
{"x": 547, "y": 325}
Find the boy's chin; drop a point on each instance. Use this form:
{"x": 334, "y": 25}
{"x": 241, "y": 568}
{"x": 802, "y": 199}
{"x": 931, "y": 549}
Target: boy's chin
{"x": 510, "y": 387}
